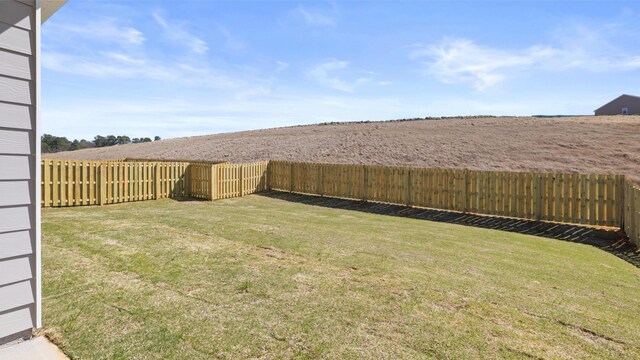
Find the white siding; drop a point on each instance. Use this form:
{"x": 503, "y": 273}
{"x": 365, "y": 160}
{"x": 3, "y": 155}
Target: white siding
{"x": 15, "y": 90}
{"x": 14, "y": 244}
{"x": 14, "y": 270}
{"x": 16, "y": 295}
{"x": 16, "y": 14}
{"x": 15, "y": 116}
{"x": 15, "y": 39}
{"x": 15, "y": 65}
{"x": 14, "y": 193}
{"x": 14, "y": 167}
{"x": 18, "y": 319}
{"x": 14, "y": 219}
{"x": 19, "y": 226}
{"x": 15, "y": 142}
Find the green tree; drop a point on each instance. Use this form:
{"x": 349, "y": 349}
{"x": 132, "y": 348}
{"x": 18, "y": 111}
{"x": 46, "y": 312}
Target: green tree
{"x": 100, "y": 141}
{"x": 123, "y": 140}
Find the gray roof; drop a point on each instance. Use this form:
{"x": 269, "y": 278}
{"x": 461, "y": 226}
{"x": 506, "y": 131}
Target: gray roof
{"x": 623, "y": 95}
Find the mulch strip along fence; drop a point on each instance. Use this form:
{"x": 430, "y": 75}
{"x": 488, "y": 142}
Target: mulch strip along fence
{"x": 589, "y": 199}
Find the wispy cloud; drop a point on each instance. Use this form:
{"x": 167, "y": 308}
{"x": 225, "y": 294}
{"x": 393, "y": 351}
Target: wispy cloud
{"x": 326, "y": 74}
{"x": 231, "y": 42}
{"x": 101, "y": 29}
{"x": 113, "y": 64}
{"x": 315, "y": 17}
{"x": 578, "y": 47}
{"x": 462, "y": 61}
{"x": 281, "y": 66}
{"x": 177, "y": 33}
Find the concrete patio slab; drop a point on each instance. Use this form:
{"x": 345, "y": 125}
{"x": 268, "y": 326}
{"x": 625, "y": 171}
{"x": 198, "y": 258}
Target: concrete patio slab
{"x": 38, "y": 348}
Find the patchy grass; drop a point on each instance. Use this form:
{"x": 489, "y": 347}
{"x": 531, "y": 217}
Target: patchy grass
{"x": 265, "y": 278}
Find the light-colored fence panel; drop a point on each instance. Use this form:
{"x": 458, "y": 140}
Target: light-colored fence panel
{"x": 632, "y": 211}
{"x": 574, "y": 198}
{"x": 200, "y": 181}
{"x": 74, "y": 183}
{"x": 235, "y": 180}
{"x": 605, "y": 200}
{"x": 69, "y": 182}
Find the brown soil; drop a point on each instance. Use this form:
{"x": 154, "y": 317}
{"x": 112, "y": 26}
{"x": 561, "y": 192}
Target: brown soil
{"x": 607, "y": 144}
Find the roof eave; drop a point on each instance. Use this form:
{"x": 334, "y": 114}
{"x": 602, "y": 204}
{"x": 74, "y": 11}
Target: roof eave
{"x": 49, "y": 7}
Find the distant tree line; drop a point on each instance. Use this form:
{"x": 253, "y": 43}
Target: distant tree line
{"x": 52, "y": 144}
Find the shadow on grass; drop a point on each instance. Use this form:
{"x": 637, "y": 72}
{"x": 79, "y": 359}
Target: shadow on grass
{"x": 611, "y": 241}
{"x": 187, "y": 199}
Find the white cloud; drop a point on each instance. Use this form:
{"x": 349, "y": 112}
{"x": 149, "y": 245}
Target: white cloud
{"x": 324, "y": 74}
{"x": 231, "y": 42}
{"x": 177, "y": 33}
{"x": 112, "y": 64}
{"x": 462, "y": 61}
{"x": 281, "y": 66}
{"x": 315, "y": 18}
{"x": 100, "y": 29}
{"x": 573, "y": 47}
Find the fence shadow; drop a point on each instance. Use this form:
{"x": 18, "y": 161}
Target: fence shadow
{"x": 613, "y": 242}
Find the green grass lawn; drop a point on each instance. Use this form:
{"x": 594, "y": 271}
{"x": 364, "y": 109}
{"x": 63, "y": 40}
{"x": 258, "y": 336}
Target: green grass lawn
{"x": 259, "y": 277}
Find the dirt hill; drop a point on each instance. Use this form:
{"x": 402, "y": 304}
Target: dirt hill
{"x": 607, "y": 144}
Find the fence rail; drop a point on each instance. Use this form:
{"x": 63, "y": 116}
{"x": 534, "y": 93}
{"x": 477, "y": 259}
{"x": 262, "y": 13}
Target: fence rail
{"x": 590, "y": 199}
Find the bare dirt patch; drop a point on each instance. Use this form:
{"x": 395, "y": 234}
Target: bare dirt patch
{"x": 603, "y": 144}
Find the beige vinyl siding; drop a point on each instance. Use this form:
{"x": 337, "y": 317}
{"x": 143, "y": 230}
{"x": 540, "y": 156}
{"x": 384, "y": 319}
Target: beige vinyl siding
{"x": 18, "y": 212}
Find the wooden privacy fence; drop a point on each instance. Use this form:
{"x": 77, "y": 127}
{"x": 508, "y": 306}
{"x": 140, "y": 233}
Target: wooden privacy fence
{"x": 605, "y": 200}
{"x": 76, "y": 182}
{"x": 631, "y": 210}
{"x": 571, "y": 198}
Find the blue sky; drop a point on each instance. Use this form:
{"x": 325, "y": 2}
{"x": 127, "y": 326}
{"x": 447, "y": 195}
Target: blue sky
{"x": 181, "y": 68}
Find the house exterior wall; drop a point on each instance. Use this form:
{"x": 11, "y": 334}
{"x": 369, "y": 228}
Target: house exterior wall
{"x": 19, "y": 154}
{"x": 632, "y": 103}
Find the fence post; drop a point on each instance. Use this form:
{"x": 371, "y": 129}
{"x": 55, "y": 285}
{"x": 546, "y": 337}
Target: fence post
{"x": 156, "y": 181}
{"x": 213, "y": 192}
{"x": 537, "y": 196}
{"x": 320, "y": 179}
{"x": 408, "y": 196}
{"x": 465, "y": 191}
{"x": 103, "y": 183}
{"x": 620, "y": 197}
{"x": 267, "y": 176}
{"x": 241, "y": 181}
{"x": 365, "y": 180}
{"x": 290, "y": 176}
